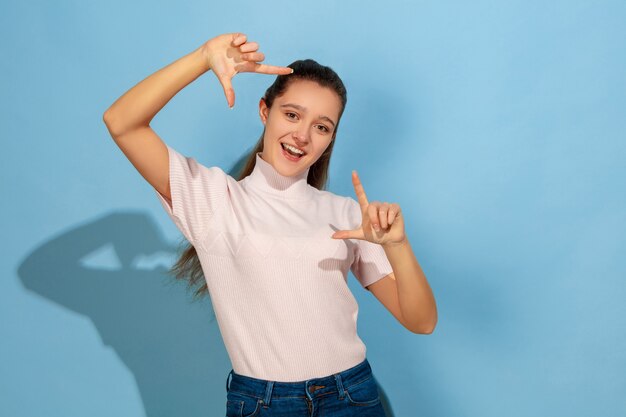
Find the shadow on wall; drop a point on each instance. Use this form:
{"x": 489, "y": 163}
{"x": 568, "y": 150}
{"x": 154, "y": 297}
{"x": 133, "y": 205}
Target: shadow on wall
{"x": 172, "y": 346}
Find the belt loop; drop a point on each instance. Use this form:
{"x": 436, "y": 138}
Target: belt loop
{"x": 268, "y": 393}
{"x": 227, "y": 380}
{"x": 339, "y": 385}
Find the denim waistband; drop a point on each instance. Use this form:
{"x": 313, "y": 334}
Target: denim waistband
{"x": 310, "y": 388}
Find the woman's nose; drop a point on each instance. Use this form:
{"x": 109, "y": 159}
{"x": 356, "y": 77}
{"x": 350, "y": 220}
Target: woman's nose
{"x": 301, "y": 135}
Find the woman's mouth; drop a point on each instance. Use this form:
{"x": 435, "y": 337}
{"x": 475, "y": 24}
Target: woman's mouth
{"x": 290, "y": 154}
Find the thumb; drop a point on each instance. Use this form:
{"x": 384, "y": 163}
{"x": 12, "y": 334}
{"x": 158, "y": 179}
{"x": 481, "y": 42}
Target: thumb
{"x": 228, "y": 90}
{"x": 347, "y": 234}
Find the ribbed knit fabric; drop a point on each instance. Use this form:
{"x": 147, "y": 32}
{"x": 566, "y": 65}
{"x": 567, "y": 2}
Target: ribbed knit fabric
{"x": 276, "y": 278}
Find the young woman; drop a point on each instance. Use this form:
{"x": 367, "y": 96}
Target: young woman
{"x": 273, "y": 248}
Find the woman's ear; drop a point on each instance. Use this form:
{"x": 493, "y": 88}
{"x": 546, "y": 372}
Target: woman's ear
{"x": 263, "y": 110}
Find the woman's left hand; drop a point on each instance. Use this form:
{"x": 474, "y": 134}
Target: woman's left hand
{"x": 382, "y": 222}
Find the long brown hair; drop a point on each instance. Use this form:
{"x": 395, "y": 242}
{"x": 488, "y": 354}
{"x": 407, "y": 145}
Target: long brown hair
{"x": 188, "y": 266}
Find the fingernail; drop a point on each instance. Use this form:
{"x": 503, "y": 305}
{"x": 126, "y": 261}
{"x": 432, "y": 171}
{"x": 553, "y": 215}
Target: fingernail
{"x": 292, "y": 70}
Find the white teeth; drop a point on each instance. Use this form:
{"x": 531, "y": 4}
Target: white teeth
{"x": 294, "y": 149}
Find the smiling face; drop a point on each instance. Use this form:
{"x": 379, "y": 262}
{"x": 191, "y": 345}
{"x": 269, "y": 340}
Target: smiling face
{"x": 305, "y": 117}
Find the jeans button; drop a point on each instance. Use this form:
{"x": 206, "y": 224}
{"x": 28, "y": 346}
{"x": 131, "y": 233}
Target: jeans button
{"x": 314, "y": 388}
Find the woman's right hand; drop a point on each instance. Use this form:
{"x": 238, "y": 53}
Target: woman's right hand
{"x": 231, "y": 53}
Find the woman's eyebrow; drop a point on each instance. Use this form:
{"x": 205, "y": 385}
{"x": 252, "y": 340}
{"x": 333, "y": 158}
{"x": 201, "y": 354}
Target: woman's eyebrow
{"x": 303, "y": 109}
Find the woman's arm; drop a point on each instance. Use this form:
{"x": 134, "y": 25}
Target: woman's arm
{"x": 138, "y": 106}
{"x": 405, "y": 292}
{"x": 415, "y": 297}
{"x": 128, "y": 118}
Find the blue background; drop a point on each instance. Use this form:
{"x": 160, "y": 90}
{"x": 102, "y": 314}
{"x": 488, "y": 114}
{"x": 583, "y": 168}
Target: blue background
{"x": 497, "y": 126}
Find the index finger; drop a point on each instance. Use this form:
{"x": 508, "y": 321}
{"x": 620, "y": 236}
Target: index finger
{"x": 359, "y": 190}
{"x": 271, "y": 69}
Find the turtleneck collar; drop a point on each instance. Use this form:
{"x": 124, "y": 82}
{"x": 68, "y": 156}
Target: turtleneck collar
{"x": 266, "y": 179}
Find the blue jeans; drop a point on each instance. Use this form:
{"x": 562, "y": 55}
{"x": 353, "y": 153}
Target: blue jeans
{"x": 352, "y": 392}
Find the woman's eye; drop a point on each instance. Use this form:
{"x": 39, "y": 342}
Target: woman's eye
{"x": 289, "y": 115}
{"x": 324, "y": 128}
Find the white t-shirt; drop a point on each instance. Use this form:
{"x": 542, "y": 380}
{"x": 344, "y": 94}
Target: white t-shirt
{"x": 276, "y": 278}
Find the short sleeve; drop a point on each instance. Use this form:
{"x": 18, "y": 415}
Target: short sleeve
{"x": 370, "y": 262}
{"x": 197, "y": 192}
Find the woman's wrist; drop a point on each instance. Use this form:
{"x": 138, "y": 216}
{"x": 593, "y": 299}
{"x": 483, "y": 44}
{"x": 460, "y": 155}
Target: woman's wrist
{"x": 202, "y": 55}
